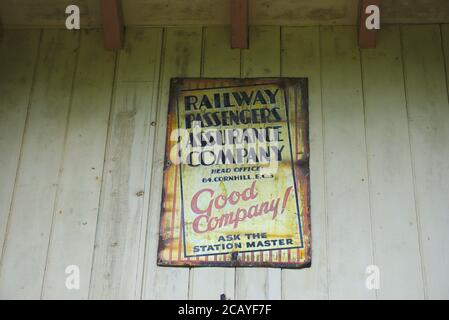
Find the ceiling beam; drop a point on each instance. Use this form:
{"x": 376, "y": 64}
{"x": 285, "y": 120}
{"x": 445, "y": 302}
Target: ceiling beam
{"x": 239, "y": 24}
{"x": 367, "y": 37}
{"x": 113, "y": 28}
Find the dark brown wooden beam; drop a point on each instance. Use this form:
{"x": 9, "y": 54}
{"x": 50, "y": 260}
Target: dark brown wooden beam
{"x": 367, "y": 38}
{"x": 239, "y": 24}
{"x": 113, "y": 27}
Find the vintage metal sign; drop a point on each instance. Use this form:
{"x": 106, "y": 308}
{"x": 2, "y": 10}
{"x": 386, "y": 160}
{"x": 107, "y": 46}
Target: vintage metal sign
{"x": 236, "y": 174}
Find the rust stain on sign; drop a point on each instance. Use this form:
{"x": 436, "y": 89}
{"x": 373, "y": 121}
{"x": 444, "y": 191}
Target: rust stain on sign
{"x": 236, "y": 174}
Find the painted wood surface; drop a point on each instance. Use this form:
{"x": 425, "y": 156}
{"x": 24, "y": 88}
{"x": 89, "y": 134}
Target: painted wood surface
{"x": 427, "y": 106}
{"x": 81, "y": 153}
{"x": 77, "y": 199}
{"x": 121, "y": 218}
{"x": 300, "y": 56}
{"x": 217, "y": 12}
{"x": 347, "y": 196}
{"x": 38, "y": 174}
{"x": 18, "y": 51}
{"x": 394, "y": 221}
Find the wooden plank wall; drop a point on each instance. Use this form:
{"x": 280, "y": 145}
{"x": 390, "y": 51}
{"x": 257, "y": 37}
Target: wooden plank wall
{"x": 82, "y": 135}
{"x": 50, "y": 13}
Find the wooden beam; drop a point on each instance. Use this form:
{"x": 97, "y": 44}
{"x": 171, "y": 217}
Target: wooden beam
{"x": 112, "y": 16}
{"x": 367, "y": 38}
{"x": 239, "y": 24}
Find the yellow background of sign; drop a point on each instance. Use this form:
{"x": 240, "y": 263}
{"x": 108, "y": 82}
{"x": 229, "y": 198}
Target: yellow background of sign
{"x": 285, "y": 225}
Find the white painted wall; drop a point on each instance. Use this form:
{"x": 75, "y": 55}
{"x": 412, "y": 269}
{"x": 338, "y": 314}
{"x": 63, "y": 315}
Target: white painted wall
{"x": 82, "y": 137}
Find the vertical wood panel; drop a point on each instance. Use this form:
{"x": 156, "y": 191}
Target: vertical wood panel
{"x": 219, "y": 60}
{"x": 301, "y": 58}
{"x": 181, "y": 58}
{"x": 18, "y": 54}
{"x": 347, "y": 197}
{"x": 262, "y": 59}
{"x": 76, "y": 209}
{"x": 122, "y": 216}
{"x": 428, "y": 114}
{"x": 397, "y": 251}
{"x": 445, "y": 39}
{"x": 23, "y": 262}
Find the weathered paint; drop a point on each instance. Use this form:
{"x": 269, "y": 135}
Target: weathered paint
{"x": 393, "y": 214}
{"x": 217, "y": 12}
{"x": 183, "y": 237}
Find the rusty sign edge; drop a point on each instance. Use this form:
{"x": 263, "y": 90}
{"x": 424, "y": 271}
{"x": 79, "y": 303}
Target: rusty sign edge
{"x": 301, "y": 164}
